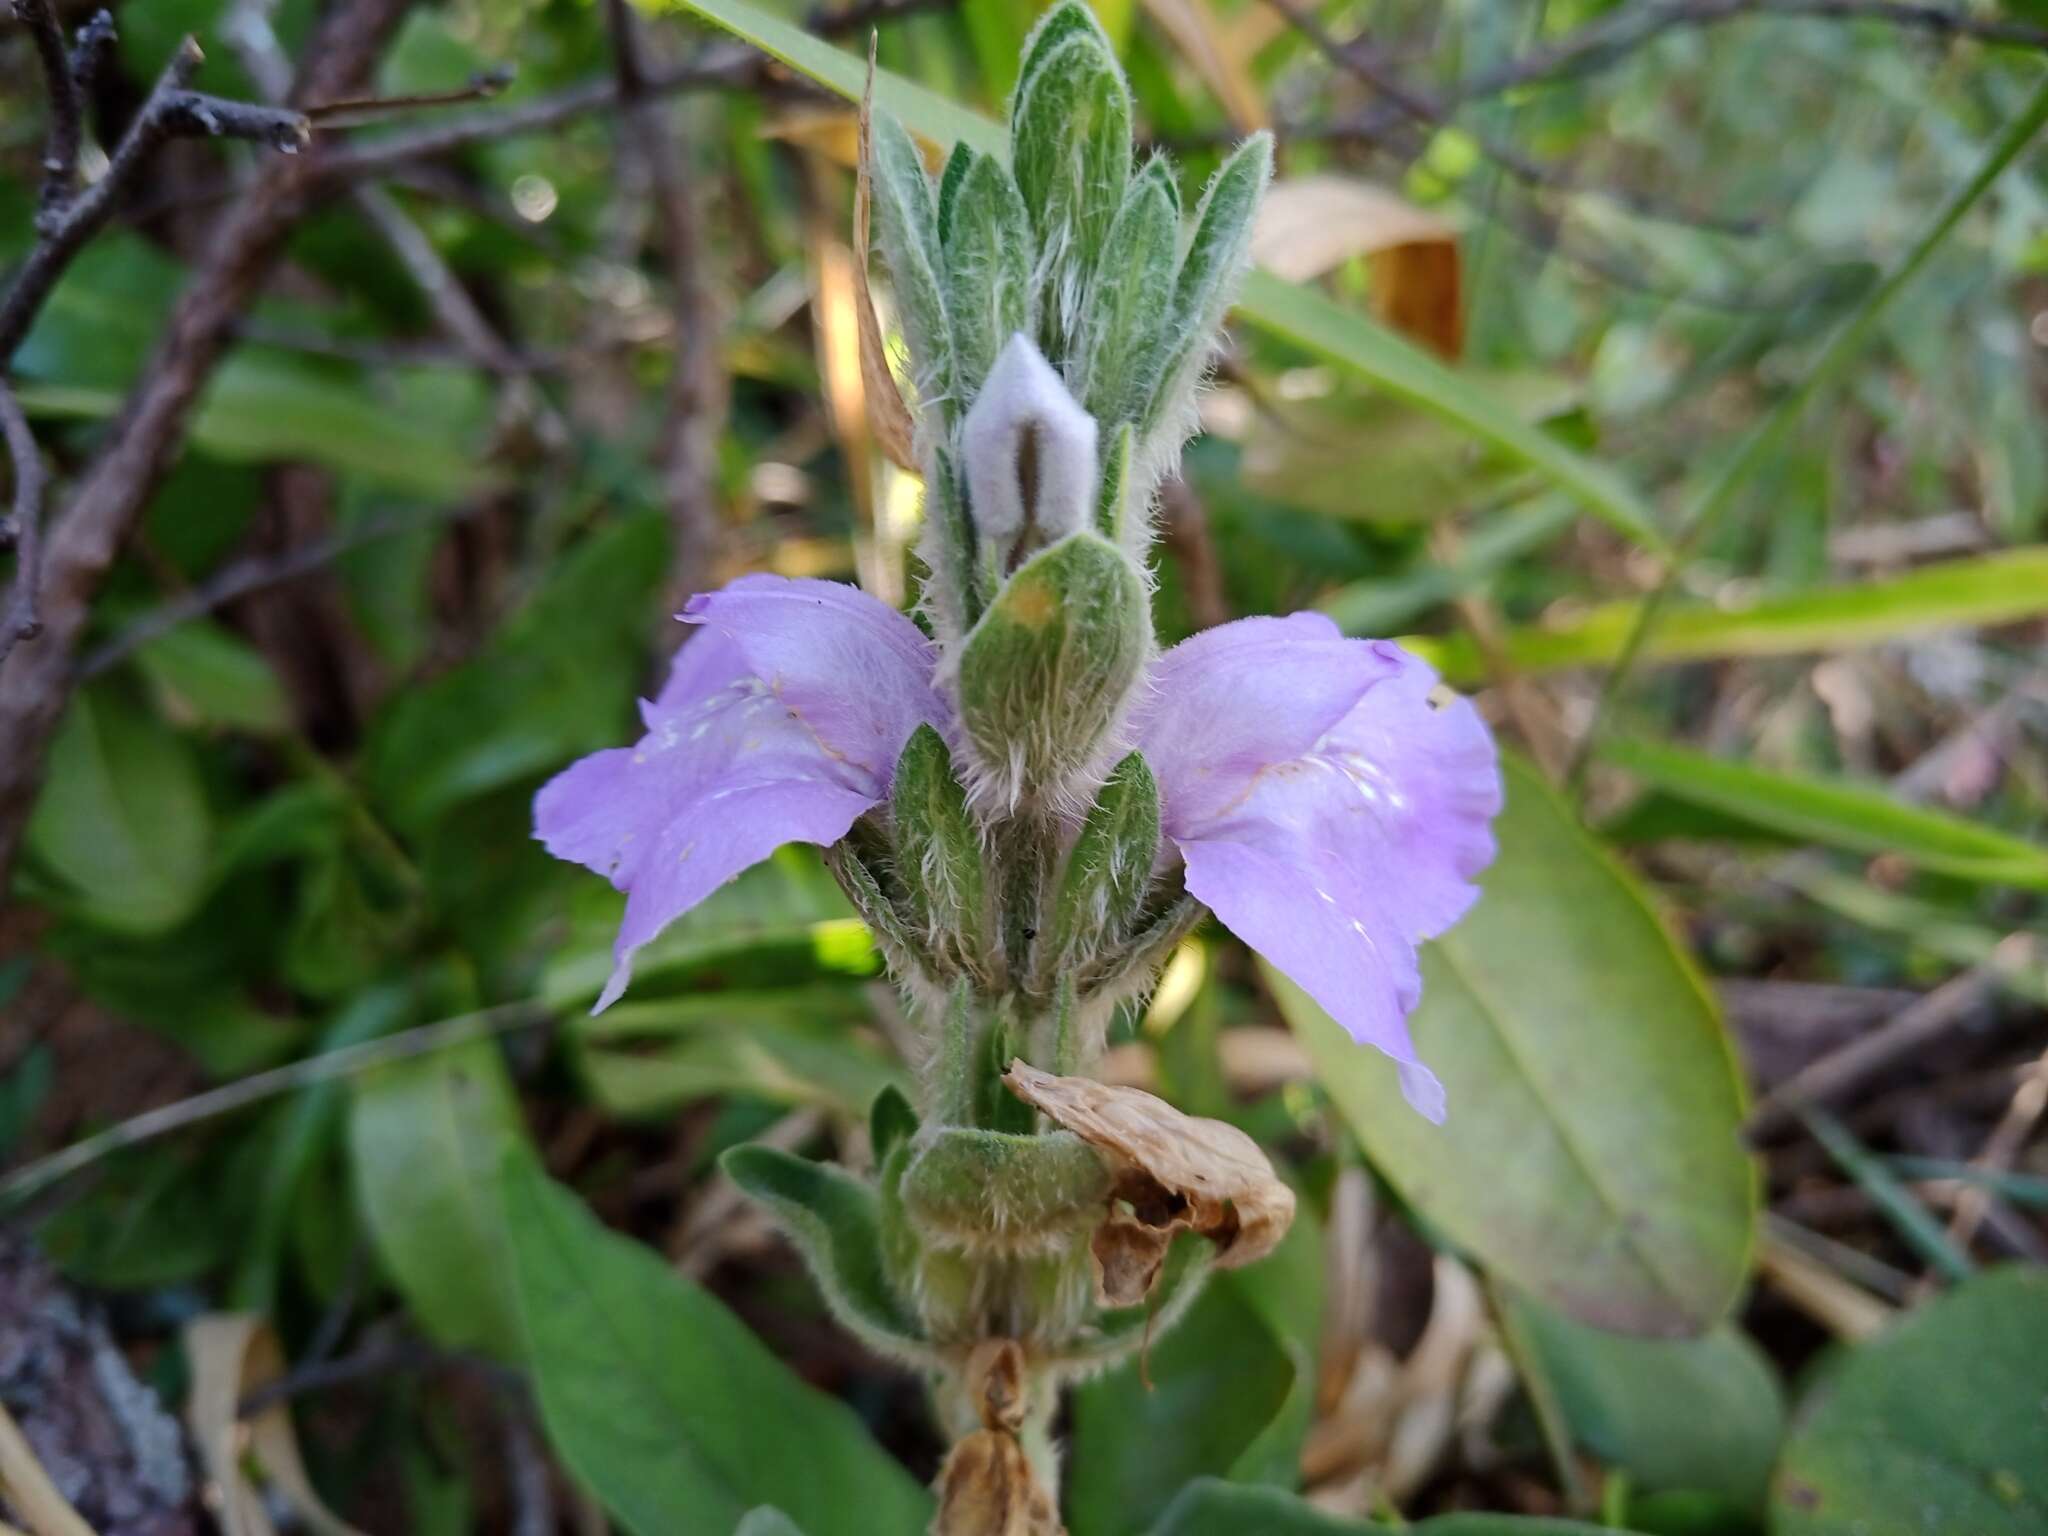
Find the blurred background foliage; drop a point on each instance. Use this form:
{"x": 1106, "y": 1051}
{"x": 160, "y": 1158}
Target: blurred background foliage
{"x": 1579, "y": 256}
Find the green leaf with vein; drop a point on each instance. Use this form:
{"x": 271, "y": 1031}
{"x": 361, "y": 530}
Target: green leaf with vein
{"x": 664, "y": 1405}
{"x": 1937, "y": 1425}
{"x": 1986, "y": 589}
{"x": 122, "y": 822}
{"x": 427, "y": 1138}
{"x": 1339, "y": 336}
{"x": 1860, "y": 818}
{"x": 1592, "y": 1156}
{"x": 1703, "y": 1414}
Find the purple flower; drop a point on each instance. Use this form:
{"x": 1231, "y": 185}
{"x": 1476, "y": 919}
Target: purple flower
{"x": 1330, "y": 805}
{"x": 781, "y": 724}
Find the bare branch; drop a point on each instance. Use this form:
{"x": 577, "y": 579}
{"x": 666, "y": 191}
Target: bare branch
{"x": 95, "y": 43}
{"x": 67, "y": 108}
{"x": 722, "y": 67}
{"x": 245, "y": 244}
{"x": 170, "y": 111}
{"x": 22, "y": 530}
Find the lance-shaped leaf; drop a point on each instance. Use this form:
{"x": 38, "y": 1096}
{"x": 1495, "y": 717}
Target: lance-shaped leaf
{"x": 987, "y": 253}
{"x": 1070, "y": 142}
{"x": 1068, "y": 19}
{"x": 909, "y": 230}
{"x": 1050, "y": 668}
{"x": 1113, "y": 501}
{"x": 1110, "y": 865}
{"x": 938, "y": 847}
{"x": 1123, "y": 337}
{"x": 834, "y": 1219}
{"x": 1208, "y": 278}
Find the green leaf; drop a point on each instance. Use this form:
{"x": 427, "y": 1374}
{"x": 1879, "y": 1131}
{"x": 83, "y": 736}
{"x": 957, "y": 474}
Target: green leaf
{"x": 664, "y": 1405}
{"x": 907, "y": 225}
{"x": 1215, "y": 1383}
{"x": 1209, "y": 276}
{"x": 1070, "y": 141}
{"x": 792, "y": 1046}
{"x": 1339, "y": 336}
{"x": 203, "y": 672}
{"x": 1128, "y": 303}
{"x": 938, "y": 843}
{"x": 428, "y": 1138}
{"x": 1229, "y": 1389}
{"x": 1593, "y": 1153}
{"x": 122, "y": 821}
{"x": 1703, "y": 1414}
{"x": 1990, "y": 589}
{"x": 1109, "y": 868}
{"x": 1936, "y": 1425}
{"x": 989, "y": 292}
{"x": 1860, "y": 819}
{"x": 1211, "y": 1508}
{"x": 766, "y": 1521}
{"x": 835, "y": 1221}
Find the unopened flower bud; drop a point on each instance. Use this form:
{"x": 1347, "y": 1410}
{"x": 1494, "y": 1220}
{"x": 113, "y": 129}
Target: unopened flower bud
{"x": 1029, "y": 452}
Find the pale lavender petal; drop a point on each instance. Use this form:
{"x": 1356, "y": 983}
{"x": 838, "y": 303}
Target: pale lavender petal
{"x": 1336, "y": 855}
{"x": 852, "y": 668}
{"x": 1239, "y": 697}
{"x": 1299, "y": 917}
{"x": 781, "y": 723}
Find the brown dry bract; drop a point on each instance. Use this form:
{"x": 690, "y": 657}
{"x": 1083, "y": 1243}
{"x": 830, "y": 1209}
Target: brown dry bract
{"x": 887, "y": 414}
{"x": 1175, "y": 1173}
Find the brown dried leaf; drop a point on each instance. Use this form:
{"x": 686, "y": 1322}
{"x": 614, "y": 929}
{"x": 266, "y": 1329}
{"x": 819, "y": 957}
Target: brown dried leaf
{"x": 1177, "y": 1173}
{"x": 987, "y": 1488}
{"x": 887, "y": 414}
{"x": 1311, "y": 224}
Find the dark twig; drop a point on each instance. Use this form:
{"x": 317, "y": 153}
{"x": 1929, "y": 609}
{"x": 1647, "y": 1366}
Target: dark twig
{"x": 170, "y": 111}
{"x": 67, "y": 107}
{"x": 696, "y": 404}
{"x": 365, "y": 109}
{"x": 721, "y": 67}
{"x": 94, "y": 46}
{"x": 245, "y": 244}
{"x": 1423, "y": 108}
{"x": 256, "y": 573}
{"x": 22, "y": 530}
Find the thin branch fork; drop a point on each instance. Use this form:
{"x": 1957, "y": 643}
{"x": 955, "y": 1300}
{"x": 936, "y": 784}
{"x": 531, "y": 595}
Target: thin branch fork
{"x": 172, "y": 110}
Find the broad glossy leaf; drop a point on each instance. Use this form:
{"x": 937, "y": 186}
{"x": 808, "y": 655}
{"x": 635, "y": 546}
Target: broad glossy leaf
{"x": 1999, "y": 588}
{"x": 122, "y": 821}
{"x": 1937, "y": 1425}
{"x": 1863, "y": 819}
{"x": 1592, "y": 1155}
{"x": 1703, "y": 1414}
{"x": 428, "y": 1138}
{"x": 1211, "y": 1508}
{"x": 1345, "y": 339}
{"x": 663, "y": 1404}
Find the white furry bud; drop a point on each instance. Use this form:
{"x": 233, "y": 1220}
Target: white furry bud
{"x": 1029, "y": 451}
